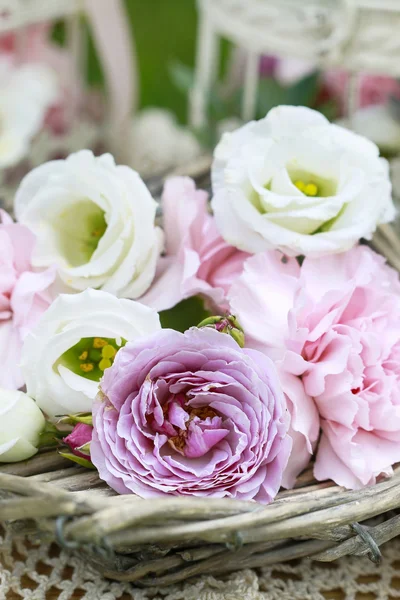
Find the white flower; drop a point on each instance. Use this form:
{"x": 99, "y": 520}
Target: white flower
{"x": 76, "y": 339}
{"x": 26, "y": 93}
{"x": 21, "y": 425}
{"x": 159, "y": 144}
{"x": 294, "y": 182}
{"x": 95, "y": 220}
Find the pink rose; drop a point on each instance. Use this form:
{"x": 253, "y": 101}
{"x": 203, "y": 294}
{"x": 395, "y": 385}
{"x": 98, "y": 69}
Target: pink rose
{"x": 24, "y": 296}
{"x": 191, "y": 414}
{"x": 333, "y": 327}
{"x": 197, "y": 260}
{"x": 261, "y": 298}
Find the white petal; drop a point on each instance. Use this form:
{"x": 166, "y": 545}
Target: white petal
{"x": 21, "y": 425}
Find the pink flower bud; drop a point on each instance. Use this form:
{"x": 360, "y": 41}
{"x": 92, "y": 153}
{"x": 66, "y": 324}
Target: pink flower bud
{"x": 79, "y": 440}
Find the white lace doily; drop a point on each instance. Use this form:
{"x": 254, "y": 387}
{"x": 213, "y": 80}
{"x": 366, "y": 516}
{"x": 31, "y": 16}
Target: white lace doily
{"x": 42, "y": 572}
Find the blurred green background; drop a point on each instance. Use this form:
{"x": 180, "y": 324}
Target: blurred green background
{"x": 164, "y": 33}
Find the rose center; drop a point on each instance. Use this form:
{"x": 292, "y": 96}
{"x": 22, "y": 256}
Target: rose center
{"x": 90, "y": 357}
{"x": 190, "y": 431}
{"x": 79, "y": 230}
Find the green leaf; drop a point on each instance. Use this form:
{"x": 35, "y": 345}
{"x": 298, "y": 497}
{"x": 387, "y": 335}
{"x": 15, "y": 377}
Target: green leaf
{"x": 304, "y": 92}
{"x": 84, "y": 449}
{"x": 184, "y": 315}
{"x": 330, "y": 109}
{"x": 182, "y": 76}
{"x": 85, "y": 418}
{"x": 78, "y": 459}
{"x": 50, "y": 436}
{"x": 271, "y": 93}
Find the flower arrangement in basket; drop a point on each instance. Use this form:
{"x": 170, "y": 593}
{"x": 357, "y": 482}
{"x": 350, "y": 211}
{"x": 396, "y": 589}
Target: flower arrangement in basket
{"x": 191, "y": 433}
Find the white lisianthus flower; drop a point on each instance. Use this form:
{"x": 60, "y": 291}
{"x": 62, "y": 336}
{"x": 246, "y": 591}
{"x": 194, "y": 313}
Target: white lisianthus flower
{"x": 26, "y": 92}
{"x": 76, "y": 339}
{"x": 22, "y": 422}
{"x": 95, "y": 220}
{"x": 294, "y": 182}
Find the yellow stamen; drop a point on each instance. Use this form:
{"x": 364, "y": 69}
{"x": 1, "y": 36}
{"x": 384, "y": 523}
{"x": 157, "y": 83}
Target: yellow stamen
{"x": 311, "y": 189}
{"x": 104, "y": 364}
{"x": 99, "y": 343}
{"x": 300, "y": 185}
{"x": 97, "y": 233}
{"x": 86, "y": 367}
{"x": 84, "y": 355}
{"x": 108, "y": 351}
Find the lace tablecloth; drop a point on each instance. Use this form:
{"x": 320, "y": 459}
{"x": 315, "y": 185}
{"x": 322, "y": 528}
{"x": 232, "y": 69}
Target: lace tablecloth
{"x": 46, "y": 573}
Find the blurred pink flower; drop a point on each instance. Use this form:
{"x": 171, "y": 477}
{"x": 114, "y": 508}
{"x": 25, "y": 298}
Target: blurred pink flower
{"x": 38, "y": 48}
{"x": 373, "y": 89}
{"x": 333, "y": 329}
{"x": 24, "y": 296}
{"x": 197, "y": 259}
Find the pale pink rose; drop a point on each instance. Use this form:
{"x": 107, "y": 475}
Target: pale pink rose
{"x": 24, "y": 296}
{"x": 337, "y": 331}
{"x": 261, "y": 298}
{"x": 197, "y": 260}
{"x": 373, "y": 89}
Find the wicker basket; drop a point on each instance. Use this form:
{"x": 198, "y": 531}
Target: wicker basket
{"x": 167, "y": 540}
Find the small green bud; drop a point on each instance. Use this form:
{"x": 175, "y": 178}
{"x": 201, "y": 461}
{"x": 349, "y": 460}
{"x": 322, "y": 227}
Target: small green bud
{"x": 228, "y": 324}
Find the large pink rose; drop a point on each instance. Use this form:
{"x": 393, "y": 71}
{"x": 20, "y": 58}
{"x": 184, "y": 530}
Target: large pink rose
{"x": 191, "y": 414}
{"x": 24, "y": 296}
{"x": 262, "y": 298}
{"x": 336, "y": 331}
{"x": 197, "y": 260}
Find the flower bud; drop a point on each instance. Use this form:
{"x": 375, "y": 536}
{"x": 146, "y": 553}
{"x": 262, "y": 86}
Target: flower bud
{"x": 22, "y": 422}
{"x": 79, "y": 442}
{"x": 228, "y": 324}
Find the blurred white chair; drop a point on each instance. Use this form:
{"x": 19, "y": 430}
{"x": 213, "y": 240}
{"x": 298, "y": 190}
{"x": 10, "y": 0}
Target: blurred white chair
{"x": 358, "y": 35}
{"x": 115, "y": 48}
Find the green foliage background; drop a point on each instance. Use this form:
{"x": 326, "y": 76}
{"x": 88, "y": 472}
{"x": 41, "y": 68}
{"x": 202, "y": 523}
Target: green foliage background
{"x": 164, "y": 32}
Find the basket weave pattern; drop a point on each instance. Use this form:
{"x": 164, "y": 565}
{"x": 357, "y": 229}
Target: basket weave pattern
{"x": 167, "y": 540}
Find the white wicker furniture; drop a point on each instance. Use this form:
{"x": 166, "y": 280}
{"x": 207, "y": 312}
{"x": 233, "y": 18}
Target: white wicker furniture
{"x": 359, "y": 35}
{"x": 112, "y": 37}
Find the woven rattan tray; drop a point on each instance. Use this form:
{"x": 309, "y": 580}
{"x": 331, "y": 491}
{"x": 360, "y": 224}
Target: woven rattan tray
{"x": 167, "y": 540}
